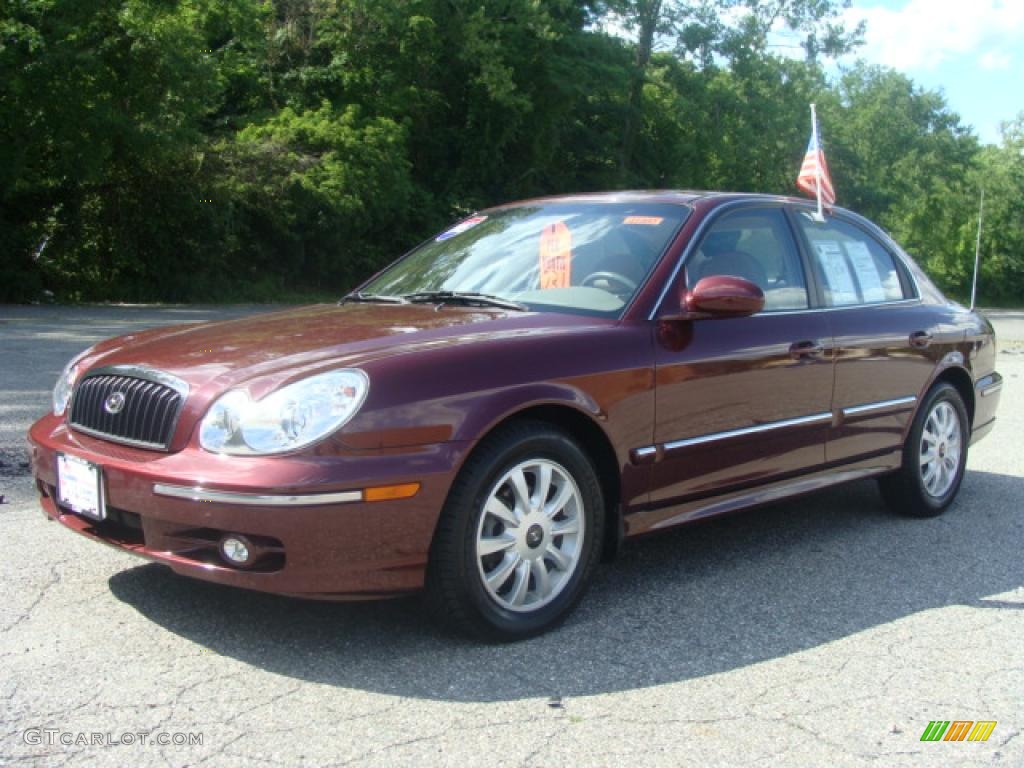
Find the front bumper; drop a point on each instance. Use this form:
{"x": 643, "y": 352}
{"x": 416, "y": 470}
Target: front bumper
{"x": 336, "y": 546}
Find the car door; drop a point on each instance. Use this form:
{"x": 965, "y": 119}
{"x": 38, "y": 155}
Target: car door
{"x": 885, "y": 340}
{"x": 743, "y": 401}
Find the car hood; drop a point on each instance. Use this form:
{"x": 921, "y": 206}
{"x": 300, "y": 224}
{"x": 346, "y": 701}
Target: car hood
{"x": 263, "y": 351}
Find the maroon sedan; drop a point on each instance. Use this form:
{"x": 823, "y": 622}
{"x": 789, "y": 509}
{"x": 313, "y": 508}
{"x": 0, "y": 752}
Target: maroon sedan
{"x": 497, "y": 410}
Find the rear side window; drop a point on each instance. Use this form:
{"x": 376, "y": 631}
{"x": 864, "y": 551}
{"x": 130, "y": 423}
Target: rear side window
{"x": 852, "y": 267}
{"x": 755, "y": 245}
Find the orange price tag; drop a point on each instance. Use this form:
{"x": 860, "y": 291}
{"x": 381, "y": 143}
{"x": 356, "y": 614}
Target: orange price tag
{"x": 650, "y": 221}
{"x": 555, "y": 256}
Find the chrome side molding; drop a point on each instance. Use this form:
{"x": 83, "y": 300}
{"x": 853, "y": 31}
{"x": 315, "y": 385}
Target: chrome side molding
{"x": 817, "y": 418}
{"x": 882, "y": 405}
{"x": 645, "y": 454}
{"x": 648, "y": 453}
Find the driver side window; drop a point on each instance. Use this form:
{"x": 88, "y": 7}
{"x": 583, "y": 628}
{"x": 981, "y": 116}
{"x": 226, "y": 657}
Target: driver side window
{"x": 757, "y": 246}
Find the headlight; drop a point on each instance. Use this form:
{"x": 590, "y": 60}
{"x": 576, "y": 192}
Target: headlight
{"x": 285, "y": 420}
{"x": 66, "y": 383}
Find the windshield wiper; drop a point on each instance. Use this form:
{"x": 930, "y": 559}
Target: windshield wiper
{"x": 465, "y": 297}
{"x": 377, "y": 298}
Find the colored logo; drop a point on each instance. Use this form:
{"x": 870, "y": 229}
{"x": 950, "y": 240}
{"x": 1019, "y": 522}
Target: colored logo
{"x": 958, "y": 730}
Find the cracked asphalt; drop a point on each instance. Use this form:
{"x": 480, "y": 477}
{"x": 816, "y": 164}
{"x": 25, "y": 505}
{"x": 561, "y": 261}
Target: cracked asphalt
{"x": 818, "y": 632}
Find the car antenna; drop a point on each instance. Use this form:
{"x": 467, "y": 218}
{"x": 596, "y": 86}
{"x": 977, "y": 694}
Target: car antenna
{"x": 977, "y": 250}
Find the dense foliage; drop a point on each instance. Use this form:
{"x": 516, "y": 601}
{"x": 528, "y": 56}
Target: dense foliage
{"x": 266, "y": 149}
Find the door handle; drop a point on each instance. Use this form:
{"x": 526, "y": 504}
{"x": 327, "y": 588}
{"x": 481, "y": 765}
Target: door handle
{"x": 920, "y": 339}
{"x": 799, "y": 350}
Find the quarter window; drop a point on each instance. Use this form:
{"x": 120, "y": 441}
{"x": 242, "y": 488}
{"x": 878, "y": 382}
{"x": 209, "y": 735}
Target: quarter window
{"x": 755, "y": 245}
{"x": 852, "y": 266}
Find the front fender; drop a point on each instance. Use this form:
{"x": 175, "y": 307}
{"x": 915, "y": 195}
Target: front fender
{"x": 461, "y": 393}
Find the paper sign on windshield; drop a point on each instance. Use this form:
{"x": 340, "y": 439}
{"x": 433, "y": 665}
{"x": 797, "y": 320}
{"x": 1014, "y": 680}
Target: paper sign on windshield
{"x": 837, "y": 272}
{"x": 867, "y": 272}
{"x": 555, "y": 256}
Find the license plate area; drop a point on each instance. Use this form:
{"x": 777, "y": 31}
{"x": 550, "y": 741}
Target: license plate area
{"x": 80, "y": 486}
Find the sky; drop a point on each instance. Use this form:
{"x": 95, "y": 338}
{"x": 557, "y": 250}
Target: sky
{"x": 972, "y": 50}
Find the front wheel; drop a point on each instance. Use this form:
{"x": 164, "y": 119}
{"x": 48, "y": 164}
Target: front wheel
{"x": 934, "y": 456}
{"x": 519, "y": 535}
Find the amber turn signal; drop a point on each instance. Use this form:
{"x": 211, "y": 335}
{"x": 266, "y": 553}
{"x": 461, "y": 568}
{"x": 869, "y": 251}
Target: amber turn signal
{"x": 391, "y": 492}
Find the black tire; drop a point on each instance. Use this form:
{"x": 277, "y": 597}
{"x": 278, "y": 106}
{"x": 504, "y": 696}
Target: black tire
{"x": 905, "y": 491}
{"x": 456, "y": 591}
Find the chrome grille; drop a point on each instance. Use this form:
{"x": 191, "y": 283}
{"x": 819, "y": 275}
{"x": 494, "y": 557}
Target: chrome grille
{"x": 149, "y": 410}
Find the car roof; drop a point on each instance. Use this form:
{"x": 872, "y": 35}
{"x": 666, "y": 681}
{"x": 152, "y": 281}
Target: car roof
{"x": 672, "y": 196}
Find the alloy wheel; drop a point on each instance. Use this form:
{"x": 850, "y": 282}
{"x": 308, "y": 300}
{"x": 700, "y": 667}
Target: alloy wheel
{"x": 940, "y": 449}
{"x": 530, "y": 536}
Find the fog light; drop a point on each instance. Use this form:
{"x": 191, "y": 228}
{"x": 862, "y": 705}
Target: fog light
{"x": 237, "y": 550}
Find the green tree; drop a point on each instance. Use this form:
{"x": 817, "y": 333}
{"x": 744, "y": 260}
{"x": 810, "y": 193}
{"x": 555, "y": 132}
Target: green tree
{"x": 700, "y": 31}
{"x": 309, "y": 193}
{"x": 900, "y": 156}
{"x": 1000, "y": 171}
{"x": 211, "y": 149}
{"x": 101, "y": 110}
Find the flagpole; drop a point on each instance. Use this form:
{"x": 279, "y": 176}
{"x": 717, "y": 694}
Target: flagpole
{"x": 977, "y": 250}
{"x": 817, "y": 158}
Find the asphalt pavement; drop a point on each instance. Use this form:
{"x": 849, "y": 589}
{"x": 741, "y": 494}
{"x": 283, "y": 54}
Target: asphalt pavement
{"x": 818, "y": 632}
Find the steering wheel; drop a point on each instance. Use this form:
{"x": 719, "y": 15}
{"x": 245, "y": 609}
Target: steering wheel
{"x": 617, "y": 280}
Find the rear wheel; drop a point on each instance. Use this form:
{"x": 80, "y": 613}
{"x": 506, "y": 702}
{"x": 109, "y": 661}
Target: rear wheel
{"x": 934, "y": 456}
{"x": 519, "y": 536}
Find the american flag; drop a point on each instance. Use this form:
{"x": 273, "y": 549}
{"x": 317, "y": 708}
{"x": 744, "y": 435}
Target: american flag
{"x": 815, "y": 167}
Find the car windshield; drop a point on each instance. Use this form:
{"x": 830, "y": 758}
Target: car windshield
{"x": 587, "y": 258}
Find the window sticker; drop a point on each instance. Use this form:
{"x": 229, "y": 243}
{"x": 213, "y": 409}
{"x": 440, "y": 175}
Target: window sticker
{"x": 867, "y": 272}
{"x": 555, "y": 256}
{"x": 837, "y": 273}
{"x": 459, "y": 228}
{"x": 648, "y": 221}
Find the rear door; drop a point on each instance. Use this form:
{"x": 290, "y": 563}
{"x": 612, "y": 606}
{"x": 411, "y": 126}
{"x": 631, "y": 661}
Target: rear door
{"x": 885, "y": 340}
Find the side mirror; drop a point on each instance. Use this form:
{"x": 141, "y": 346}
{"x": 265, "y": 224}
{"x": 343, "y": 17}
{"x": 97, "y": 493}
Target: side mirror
{"x": 722, "y": 296}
